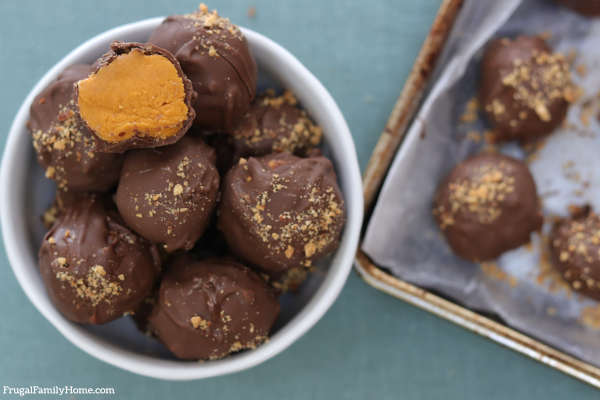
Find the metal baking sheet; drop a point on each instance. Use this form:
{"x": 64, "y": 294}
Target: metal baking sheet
{"x": 473, "y": 13}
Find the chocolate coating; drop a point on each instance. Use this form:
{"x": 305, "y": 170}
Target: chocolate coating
{"x": 575, "y": 250}
{"x": 67, "y": 150}
{"x": 280, "y": 211}
{"x": 145, "y": 141}
{"x": 214, "y": 54}
{"x": 168, "y": 194}
{"x": 590, "y": 8}
{"x": 273, "y": 124}
{"x": 94, "y": 268}
{"x": 211, "y": 308}
{"x": 525, "y": 89}
{"x": 487, "y": 205}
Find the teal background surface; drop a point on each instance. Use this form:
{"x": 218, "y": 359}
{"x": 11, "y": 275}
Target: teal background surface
{"x": 369, "y": 345}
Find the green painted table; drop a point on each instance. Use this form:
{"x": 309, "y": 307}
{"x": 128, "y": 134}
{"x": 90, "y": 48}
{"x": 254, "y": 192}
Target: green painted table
{"x": 368, "y": 345}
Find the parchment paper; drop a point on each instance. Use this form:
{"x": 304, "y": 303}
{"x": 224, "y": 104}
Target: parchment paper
{"x": 402, "y": 235}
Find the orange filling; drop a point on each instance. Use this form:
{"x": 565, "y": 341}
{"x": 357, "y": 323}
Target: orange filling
{"x": 136, "y": 94}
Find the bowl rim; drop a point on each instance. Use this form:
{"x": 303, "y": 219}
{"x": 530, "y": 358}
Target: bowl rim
{"x": 18, "y": 253}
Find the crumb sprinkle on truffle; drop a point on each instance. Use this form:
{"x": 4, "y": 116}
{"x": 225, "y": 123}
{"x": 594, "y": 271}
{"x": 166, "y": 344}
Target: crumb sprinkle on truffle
{"x": 539, "y": 81}
{"x": 95, "y": 287}
{"x": 481, "y": 195}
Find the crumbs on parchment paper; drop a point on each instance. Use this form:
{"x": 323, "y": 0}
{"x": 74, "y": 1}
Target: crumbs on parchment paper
{"x": 492, "y": 270}
{"x": 590, "y": 316}
{"x": 471, "y": 112}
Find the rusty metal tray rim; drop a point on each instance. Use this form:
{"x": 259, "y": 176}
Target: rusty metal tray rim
{"x": 400, "y": 118}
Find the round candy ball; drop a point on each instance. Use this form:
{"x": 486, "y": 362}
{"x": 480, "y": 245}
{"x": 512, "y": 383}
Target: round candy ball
{"x": 214, "y": 55}
{"x": 575, "y": 250}
{"x": 280, "y": 211}
{"x": 168, "y": 194}
{"x": 487, "y": 205}
{"x": 94, "y": 268}
{"x": 525, "y": 88}
{"x": 208, "y": 309}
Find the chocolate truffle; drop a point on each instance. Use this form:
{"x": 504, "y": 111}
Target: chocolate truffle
{"x": 575, "y": 250}
{"x": 137, "y": 97}
{"x": 211, "y": 308}
{"x": 590, "y": 8}
{"x": 525, "y": 88}
{"x": 64, "y": 146}
{"x": 280, "y": 211}
{"x": 273, "y": 124}
{"x": 487, "y": 205}
{"x": 214, "y": 54}
{"x": 168, "y": 194}
{"x": 94, "y": 268}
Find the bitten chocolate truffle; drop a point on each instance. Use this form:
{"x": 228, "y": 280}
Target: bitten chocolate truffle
{"x": 575, "y": 250}
{"x": 280, "y": 211}
{"x": 487, "y": 205}
{"x": 137, "y": 97}
{"x": 214, "y": 54}
{"x": 211, "y": 308}
{"x": 94, "y": 268}
{"x": 590, "y": 8}
{"x": 525, "y": 88}
{"x": 168, "y": 194}
{"x": 65, "y": 148}
{"x": 273, "y": 124}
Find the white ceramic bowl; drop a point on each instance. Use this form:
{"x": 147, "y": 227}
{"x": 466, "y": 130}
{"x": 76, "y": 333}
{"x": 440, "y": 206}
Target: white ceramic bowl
{"x": 24, "y": 194}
